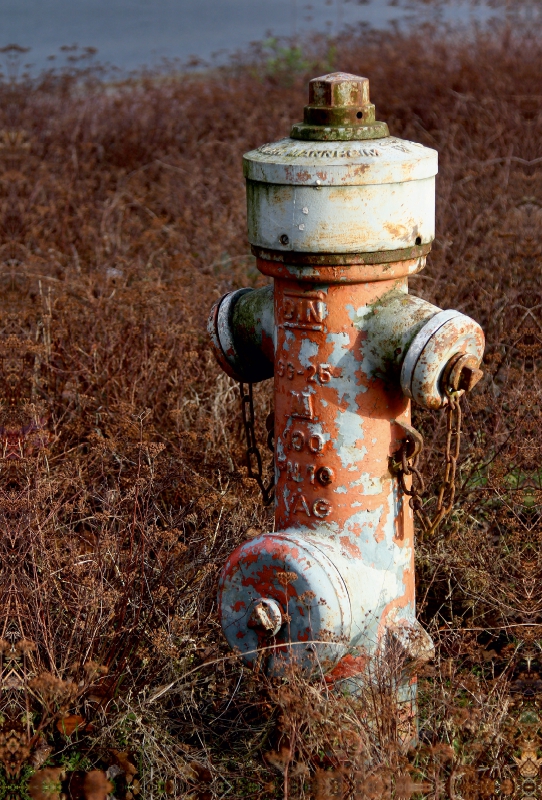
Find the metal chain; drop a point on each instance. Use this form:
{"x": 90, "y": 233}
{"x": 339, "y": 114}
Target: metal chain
{"x": 409, "y": 466}
{"x": 253, "y": 452}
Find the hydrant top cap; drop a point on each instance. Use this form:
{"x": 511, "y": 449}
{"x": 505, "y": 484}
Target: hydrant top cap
{"x": 340, "y": 143}
{"x": 339, "y": 110}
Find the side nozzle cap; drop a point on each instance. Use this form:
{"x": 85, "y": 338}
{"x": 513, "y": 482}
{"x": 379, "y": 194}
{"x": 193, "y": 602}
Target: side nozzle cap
{"x": 445, "y": 338}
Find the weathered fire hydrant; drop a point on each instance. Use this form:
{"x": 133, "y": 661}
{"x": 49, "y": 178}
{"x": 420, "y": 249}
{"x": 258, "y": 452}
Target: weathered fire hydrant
{"x": 339, "y": 215}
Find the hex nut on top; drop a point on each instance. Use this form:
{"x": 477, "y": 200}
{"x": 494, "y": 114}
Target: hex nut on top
{"x": 339, "y": 109}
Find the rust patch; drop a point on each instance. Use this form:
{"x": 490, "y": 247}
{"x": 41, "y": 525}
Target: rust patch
{"x": 348, "y": 667}
{"x": 351, "y": 548}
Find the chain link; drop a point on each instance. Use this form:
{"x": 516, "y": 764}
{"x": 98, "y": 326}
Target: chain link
{"x": 254, "y": 457}
{"x": 406, "y": 466}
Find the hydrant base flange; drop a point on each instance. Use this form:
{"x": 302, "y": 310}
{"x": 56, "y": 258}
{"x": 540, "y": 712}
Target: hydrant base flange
{"x": 342, "y": 259}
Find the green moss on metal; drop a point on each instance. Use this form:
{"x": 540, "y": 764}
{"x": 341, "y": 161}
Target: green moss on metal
{"x": 339, "y": 133}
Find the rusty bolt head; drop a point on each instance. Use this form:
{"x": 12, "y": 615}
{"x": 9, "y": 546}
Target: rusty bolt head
{"x": 461, "y": 373}
{"x": 339, "y": 89}
{"x": 469, "y": 378}
{"x": 409, "y": 641}
{"x": 339, "y": 110}
{"x": 266, "y": 616}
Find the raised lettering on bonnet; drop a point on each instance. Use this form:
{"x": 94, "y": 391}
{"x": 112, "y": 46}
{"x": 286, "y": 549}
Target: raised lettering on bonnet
{"x": 285, "y": 149}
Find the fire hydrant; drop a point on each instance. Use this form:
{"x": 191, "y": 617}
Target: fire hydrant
{"x": 339, "y": 215}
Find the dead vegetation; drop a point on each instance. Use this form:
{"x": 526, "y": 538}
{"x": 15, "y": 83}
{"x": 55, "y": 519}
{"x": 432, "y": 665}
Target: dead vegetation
{"x": 123, "y": 487}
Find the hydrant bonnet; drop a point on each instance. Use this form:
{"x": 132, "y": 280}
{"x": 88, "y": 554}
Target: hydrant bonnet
{"x": 371, "y": 195}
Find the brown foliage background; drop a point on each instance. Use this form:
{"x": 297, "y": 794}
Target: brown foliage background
{"x": 122, "y": 477}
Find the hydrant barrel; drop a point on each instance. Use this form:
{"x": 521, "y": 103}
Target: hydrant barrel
{"x": 339, "y": 216}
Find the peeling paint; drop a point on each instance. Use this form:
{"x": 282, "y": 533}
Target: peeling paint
{"x": 371, "y": 484}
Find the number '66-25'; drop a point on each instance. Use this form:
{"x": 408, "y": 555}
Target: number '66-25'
{"x": 319, "y": 374}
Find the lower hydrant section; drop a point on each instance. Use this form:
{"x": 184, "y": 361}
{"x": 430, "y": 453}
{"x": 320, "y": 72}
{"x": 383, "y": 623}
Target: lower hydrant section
{"x": 340, "y": 571}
